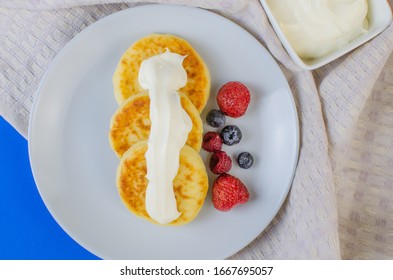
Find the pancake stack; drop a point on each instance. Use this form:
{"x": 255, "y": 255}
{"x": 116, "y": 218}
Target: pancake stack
{"x": 130, "y": 127}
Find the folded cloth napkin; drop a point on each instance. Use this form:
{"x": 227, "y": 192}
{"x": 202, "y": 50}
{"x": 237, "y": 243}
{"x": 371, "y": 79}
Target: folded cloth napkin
{"x": 340, "y": 204}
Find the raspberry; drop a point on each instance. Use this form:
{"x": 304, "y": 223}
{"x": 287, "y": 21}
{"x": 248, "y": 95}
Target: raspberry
{"x": 220, "y": 162}
{"x": 233, "y": 99}
{"x": 227, "y": 192}
{"x": 212, "y": 142}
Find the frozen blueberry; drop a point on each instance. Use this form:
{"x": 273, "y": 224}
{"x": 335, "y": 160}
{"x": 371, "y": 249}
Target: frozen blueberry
{"x": 215, "y": 118}
{"x": 231, "y": 135}
{"x": 245, "y": 160}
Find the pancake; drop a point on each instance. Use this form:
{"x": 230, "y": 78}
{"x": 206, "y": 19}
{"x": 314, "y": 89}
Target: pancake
{"x": 190, "y": 184}
{"x": 125, "y": 78}
{"x": 131, "y": 123}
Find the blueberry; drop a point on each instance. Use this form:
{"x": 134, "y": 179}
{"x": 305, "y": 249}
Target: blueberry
{"x": 215, "y": 118}
{"x": 231, "y": 135}
{"x": 245, "y": 160}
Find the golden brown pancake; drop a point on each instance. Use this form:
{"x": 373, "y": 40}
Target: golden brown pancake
{"x": 190, "y": 184}
{"x": 131, "y": 123}
{"x": 125, "y": 78}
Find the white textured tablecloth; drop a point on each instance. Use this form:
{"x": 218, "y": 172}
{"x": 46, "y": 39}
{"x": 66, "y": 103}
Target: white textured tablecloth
{"x": 341, "y": 201}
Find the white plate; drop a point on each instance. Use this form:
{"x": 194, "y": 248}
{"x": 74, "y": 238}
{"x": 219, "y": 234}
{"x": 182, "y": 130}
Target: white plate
{"x": 75, "y": 168}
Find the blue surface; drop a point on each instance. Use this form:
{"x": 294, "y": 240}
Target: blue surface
{"x": 27, "y": 230}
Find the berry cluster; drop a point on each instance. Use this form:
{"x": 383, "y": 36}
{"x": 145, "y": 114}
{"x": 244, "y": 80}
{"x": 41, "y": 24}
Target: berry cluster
{"x": 228, "y": 191}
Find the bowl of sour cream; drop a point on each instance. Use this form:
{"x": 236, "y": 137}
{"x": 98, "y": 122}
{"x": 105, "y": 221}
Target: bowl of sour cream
{"x": 316, "y": 32}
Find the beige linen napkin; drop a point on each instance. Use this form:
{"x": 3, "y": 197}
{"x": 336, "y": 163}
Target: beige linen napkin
{"x": 340, "y": 204}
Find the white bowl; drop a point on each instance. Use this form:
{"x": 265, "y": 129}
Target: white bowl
{"x": 379, "y": 16}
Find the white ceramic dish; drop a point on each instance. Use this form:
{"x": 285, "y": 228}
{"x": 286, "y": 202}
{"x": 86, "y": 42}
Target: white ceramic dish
{"x": 74, "y": 167}
{"x": 379, "y": 15}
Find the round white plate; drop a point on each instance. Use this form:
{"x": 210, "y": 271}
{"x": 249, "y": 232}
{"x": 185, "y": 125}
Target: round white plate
{"x": 74, "y": 167}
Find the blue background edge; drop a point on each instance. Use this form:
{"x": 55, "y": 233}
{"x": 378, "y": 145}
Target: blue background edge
{"x": 27, "y": 229}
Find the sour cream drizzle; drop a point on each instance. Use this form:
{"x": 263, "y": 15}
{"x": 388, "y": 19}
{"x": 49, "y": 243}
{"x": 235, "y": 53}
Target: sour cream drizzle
{"x": 162, "y": 75}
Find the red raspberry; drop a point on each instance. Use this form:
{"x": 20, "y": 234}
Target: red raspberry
{"x": 212, "y": 142}
{"x": 220, "y": 162}
{"x": 227, "y": 192}
{"x": 233, "y": 99}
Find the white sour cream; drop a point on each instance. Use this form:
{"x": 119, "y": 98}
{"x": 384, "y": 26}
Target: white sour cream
{"x": 317, "y": 27}
{"x": 162, "y": 75}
